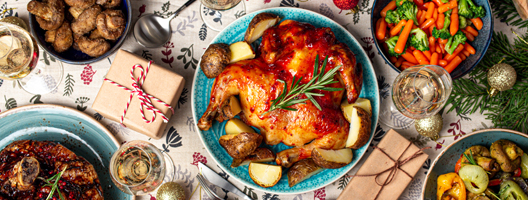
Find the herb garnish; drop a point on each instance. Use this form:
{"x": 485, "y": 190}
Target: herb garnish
{"x": 318, "y": 82}
{"x": 55, "y": 178}
{"x": 470, "y": 158}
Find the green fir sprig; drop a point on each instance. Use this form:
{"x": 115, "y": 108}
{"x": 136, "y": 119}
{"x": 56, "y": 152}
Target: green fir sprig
{"x": 54, "y": 185}
{"x": 508, "y": 109}
{"x": 506, "y": 12}
{"x": 319, "y": 81}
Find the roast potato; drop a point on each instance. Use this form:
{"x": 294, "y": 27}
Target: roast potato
{"x": 507, "y": 154}
{"x": 360, "y": 102}
{"x": 260, "y": 154}
{"x": 215, "y": 59}
{"x": 332, "y": 159}
{"x": 260, "y": 23}
{"x": 482, "y": 156}
{"x": 265, "y": 175}
{"x": 241, "y": 51}
{"x": 359, "y": 133}
{"x": 229, "y": 109}
{"x": 235, "y": 126}
{"x": 302, "y": 170}
{"x": 241, "y": 145}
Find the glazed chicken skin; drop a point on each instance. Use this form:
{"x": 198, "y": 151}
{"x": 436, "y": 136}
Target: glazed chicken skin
{"x": 289, "y": 50}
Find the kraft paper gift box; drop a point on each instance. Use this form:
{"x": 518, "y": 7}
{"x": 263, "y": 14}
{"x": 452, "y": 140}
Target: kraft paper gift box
{"x": 398, "y": 148}
{"x": 160, "y": 82}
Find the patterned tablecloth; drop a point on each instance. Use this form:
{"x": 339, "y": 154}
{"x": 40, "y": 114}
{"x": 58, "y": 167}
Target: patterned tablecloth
{"x": 190, "y": 37}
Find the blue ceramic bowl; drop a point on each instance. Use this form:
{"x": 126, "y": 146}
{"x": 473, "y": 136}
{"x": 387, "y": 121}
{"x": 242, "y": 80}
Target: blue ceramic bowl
{"x": 480, "y": 43}
{"x": 71, "y": 128}
{"x": 446, "y": 160}
{"x": 76, "y": 57}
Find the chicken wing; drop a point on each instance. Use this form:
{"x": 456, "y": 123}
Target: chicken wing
{"x": 61, "y": 39}
{"x": 111, "y": 23}
{"x": 49, "y": 13}
{"x": 86, "y": 21}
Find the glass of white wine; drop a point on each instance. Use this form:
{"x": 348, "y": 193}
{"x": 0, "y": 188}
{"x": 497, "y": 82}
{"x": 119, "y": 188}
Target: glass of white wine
{"x": 217, "y": 14}
{"x": 418, "y": 92}
{"x": 138, "y": 167}
{"x": 19, "y": 60}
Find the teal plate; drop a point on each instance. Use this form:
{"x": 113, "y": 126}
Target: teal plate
{"x": 71, "y": 128}
{"x": 202, "y": 92}
{"x": 445, "y": 162}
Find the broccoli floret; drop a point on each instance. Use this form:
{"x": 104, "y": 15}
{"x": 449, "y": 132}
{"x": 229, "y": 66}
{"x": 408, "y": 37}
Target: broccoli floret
{"x": 419, "y": 39}
{"x": 444, "y": 32}
{"x": 391, "y": 43}
{"x": 444, "y": 1}
{"x": 462, "y": 22}
{"x": 464, "y": 10}
{"x": 478, "y": 11}
{"x": 453, "y": 42}
{"x": 392, "y": 17}
{"x": 400, "y": 2}
{"x": 407, "y": 11}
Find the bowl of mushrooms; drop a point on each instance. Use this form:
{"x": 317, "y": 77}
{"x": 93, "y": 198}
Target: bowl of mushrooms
{"x": 79, "y": 31}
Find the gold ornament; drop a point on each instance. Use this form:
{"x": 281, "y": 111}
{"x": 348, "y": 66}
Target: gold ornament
{"x": 501, "y": 77}
{"x": 170, "y": 191}
{"x": 16, "y": 21}
{"x": 430, "y": 127}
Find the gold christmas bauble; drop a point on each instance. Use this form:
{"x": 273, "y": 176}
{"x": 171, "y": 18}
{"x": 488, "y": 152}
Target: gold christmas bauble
{"x": 430, "y": 127}
{"x": 501, "y": 77}
{"x": 16, "y": 21}
{"x": 170, "y": 191}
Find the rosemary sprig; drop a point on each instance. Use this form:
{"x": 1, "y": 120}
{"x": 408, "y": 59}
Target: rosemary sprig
{"x": 291, "y": 97}
{"x": 470, "y": 158}
{"x": 55, "y": 178}
{"x": 495, "y": 195}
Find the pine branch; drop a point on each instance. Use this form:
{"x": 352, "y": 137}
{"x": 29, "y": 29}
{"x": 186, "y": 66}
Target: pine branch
{"x": 506, "y": 12}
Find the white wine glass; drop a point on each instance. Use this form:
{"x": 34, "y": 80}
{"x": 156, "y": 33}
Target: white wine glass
{"x": 138, "y": 167}
{"x": 418, "y": 92}
{"x": 217, "y": 14}
{"x": 19, "y": 61}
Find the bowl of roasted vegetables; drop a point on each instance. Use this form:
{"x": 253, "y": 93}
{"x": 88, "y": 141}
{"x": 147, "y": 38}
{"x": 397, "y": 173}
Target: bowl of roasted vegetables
{"x": 79, "y": 31}
{"x": 454, "y": 34}
{"x": 485, "y": 165}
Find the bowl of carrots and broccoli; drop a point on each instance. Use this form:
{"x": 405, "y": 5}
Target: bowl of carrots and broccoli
{"x": 453, "y": 34}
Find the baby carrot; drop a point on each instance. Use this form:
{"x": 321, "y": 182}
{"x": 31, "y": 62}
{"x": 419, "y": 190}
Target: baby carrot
{"x": 459, "y": 49}
{"x": 420, "y": 57}
{"x": 466, "y": 53}
{"x": 427, "y": 23}
{"x": 406, "y": 65}
{"x": 448, "y": 6}
{"x": 432, "y": 42}
{"x": 434, "y": 59}
{"x": 442, "y": 48}
{"x": 430, "y": 11}
{"x": 399, "y": 62}
{"x": 409, "y": 57}
{"x": 471, "y": 30}
{"x": 442, "y": 41}
{"x": 453, "y": 64}
{"x": 435, "y": 14}
{"x": 477, "y": 22}
{"x": 440, "y": 21}
{"x": 390, "y": 6}
{"x": 382, "y": 29}
{"x": 442, "y": 63}
{"x": 462, "y": 56}
{"x": 396, "y": 30}
{"x": 453, "y": 28}
{"x": 438, "y": 2}
{"x": 469, "y": 48}
{"x": 469, "y": 36}
{"x": 422, "y": 17}
{"x": 427, "y": 54}
{"x": 402, "y": 40}
{"x": 393, "y": 59}
{"x": 431, "y": 28}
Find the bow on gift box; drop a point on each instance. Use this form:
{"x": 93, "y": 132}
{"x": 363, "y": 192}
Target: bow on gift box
{"x": 144, "y": 98}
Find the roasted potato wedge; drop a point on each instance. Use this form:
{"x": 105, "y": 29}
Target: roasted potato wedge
{"x": 241, "y": 145}
{"x": 332, "y": 159}
{"x": 215, "y": 59}
{"x": 260, "y": 23}
{"x": 507, "y": 154}
{"x": 265, "y": 175}
{"x": 359, "y": 133}
{"x": 360, "y": 102}
{"x": 229, "y": 109}
{"x": 302, "y": 170}
{"x": 235, "y": 126}
{"x": 241, "y": 51}
{"x": 260, "y": 154}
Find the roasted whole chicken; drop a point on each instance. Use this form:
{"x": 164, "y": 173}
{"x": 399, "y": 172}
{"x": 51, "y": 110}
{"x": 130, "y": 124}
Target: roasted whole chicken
{"x": 289, "y": 50}
{"x": 25, "y": 164}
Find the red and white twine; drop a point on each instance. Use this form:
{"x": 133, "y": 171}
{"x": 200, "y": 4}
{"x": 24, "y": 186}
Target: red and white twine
{"x": 145, "y": 99}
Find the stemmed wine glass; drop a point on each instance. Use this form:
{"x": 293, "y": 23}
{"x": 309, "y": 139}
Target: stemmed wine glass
{"x": 217, "y": 14}
{"x": 19, "y": 60}
{"x": 418, "y": 92}
{"x": 138, "y": 167}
